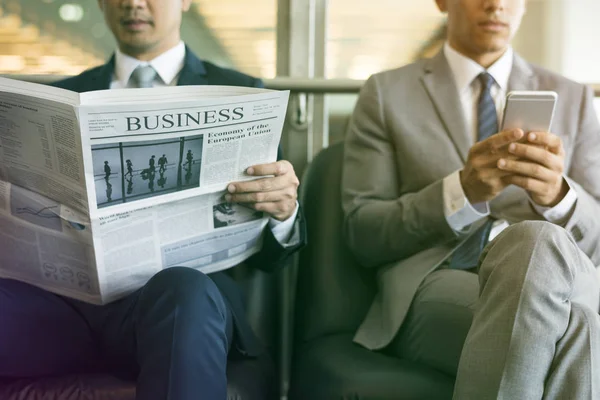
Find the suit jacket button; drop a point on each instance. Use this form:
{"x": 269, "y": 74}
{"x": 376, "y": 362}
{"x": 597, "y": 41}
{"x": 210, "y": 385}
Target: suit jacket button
{"x": 576, "y": 233}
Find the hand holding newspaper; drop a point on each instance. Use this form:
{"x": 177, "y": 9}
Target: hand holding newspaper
{"x": 99, "y": 191}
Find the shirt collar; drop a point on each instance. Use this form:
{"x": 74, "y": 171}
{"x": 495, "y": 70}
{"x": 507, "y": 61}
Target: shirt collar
{"x": 167, "y": 65}
{"x": 466, "y": 70}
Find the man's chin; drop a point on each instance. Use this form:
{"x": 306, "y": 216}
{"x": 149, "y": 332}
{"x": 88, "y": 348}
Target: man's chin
{"x": 136, "y": 45}
{"x": 493, "y": 45}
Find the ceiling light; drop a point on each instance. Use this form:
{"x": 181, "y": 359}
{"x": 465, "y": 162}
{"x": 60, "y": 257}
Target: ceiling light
{"x": 71, "y": 12}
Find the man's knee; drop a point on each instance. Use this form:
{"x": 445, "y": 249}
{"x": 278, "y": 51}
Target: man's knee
{"x": 531, "y": 232}
{"x": 537, "y": 255}
{"x": 518, "y": 243}
{"x": 184, "y": 288}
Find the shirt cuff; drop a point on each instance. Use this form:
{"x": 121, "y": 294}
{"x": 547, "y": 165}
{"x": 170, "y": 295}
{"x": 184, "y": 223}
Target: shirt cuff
{"x": 560, "y": 213}
{"x": 459, "y": 212}
{"x": 282, "y": 230}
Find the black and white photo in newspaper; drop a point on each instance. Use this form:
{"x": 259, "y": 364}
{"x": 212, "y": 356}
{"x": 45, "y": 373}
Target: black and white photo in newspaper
{"x": 129, "y": 171}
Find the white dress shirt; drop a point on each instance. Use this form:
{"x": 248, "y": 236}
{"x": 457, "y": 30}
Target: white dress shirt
{"x": 459, "y": 212}
{"x": 168, "y": 66}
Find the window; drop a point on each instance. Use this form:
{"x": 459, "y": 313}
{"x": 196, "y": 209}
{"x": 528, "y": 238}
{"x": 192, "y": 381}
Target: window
{"x": 67, "y": 37}
{"x": 369, "y": 36}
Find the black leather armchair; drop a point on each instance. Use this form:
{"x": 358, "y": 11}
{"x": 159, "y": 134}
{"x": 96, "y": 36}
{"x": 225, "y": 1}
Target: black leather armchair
{"x": 333, "y": 294}
{"x": 252, "y": 379}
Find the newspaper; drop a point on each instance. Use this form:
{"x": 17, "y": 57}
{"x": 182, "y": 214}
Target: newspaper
{"x": 99, "y": 191}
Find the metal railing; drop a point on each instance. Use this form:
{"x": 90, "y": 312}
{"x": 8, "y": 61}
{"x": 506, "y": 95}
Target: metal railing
{"x": 297, "y": 85}
{"x": 315, "y": 86}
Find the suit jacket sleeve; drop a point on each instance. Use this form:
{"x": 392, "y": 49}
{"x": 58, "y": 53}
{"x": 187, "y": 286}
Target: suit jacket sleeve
{"x": 381, "y": 224}
{"x": 273, "y": 255}
{"x": 584, "y": 176}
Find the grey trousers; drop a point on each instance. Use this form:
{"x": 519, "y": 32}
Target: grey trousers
{"x": 527, "y": 327}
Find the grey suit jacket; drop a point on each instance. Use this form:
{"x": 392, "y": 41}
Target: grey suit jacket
{"x": 406, "y": 134}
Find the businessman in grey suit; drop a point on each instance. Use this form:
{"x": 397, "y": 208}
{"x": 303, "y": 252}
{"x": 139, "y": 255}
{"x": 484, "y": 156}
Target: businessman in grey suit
{"x": 429, "y": 180}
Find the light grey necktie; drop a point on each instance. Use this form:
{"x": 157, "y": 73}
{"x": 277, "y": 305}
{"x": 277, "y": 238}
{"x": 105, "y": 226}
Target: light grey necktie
{"x": 143, "y": 76}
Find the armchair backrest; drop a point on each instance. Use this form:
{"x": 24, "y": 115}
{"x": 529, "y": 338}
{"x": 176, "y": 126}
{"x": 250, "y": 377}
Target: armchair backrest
{"x": 333, "y": 292}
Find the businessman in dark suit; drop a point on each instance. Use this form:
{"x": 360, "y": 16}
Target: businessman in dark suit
{"x": 175, "y": 334}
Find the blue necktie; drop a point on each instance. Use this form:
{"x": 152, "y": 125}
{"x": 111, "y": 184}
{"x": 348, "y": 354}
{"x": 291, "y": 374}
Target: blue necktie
{"x": 487, "y": 117}
{"x": 467, "y": 255}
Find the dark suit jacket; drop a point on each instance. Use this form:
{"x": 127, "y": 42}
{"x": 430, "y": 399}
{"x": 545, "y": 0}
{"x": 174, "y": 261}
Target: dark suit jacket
{"x": 273, "y": 255}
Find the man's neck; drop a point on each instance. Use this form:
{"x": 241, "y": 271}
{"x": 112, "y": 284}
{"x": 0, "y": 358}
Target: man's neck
{"x": 147, "y": 54}
{"x": 486, "y": 59}
{"x": 167, "y": 64}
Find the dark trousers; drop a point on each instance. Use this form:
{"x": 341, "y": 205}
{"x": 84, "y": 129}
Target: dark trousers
{"x": 173, "y": 335}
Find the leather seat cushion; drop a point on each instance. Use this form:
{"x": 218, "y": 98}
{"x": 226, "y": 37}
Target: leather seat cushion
{"x": 333, "y": 367}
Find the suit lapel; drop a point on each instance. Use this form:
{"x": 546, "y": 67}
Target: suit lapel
{"x": 193, "y": 72}
{"x": 522, "y": 76}
{"x": 102, "y": 77}
{"x": 439, "y": 84}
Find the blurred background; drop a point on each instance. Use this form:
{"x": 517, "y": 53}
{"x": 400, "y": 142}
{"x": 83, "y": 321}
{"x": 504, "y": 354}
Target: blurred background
{"x": 66, "y": 37}
{"x": 335, "y": 42}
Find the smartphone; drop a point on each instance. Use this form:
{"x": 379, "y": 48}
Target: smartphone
{"x": 531, "y": 111}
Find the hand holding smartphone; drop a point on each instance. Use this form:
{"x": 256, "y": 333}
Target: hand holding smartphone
{"x": 538, "y": 170}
